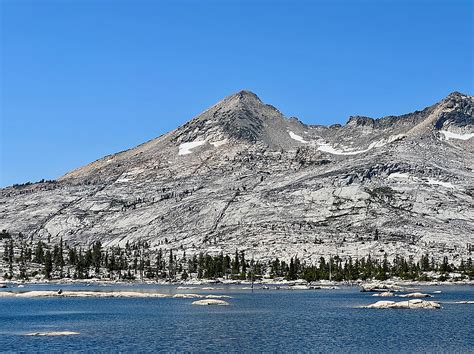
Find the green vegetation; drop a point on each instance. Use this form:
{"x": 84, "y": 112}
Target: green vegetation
{"x": 24, "y": 259}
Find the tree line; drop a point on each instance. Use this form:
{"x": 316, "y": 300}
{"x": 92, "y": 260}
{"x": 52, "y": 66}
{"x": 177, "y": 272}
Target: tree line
{"x": 138, "y": 261}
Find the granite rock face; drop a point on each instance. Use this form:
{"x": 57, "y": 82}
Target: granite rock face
{"x": 241, "y": 175}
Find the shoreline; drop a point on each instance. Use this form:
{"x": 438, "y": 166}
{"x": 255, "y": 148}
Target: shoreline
{"x": 264, "y": 282}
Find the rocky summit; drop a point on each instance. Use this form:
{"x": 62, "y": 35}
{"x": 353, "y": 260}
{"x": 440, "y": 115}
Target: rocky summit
{"x": 243, "y": 176}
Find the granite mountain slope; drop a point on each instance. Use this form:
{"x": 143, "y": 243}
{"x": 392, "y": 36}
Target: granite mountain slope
{"x": 241, "y": 175}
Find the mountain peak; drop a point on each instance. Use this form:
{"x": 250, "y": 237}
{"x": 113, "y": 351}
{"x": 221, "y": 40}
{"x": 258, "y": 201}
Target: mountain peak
{"x": 360, "y": 121}
{"x": 455, "y": 98}
{"x": 456, "y": 94}
{"x": 243, "y": 97}
{"x": 241, "y": 116}
{"x": 246, "y": 94}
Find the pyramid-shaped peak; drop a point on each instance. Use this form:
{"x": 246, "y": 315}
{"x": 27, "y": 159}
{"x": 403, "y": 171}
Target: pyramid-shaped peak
{"x": 243, "y": 97}
{"x": 246, "y": 94}
{"x": 241, "y": 116}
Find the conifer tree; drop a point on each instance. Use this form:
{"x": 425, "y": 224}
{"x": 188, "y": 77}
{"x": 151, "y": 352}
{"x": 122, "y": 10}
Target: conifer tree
{"x": 48, "y": 264}
{"x": 39, "y": 253}
{"x": 10, "y": 257}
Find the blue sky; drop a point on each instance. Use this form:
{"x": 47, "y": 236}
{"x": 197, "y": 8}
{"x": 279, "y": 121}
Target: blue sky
{"x": 81, "y": 79}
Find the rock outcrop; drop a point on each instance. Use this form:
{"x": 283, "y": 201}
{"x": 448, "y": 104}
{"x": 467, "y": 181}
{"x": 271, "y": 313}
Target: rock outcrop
{"x": 210, "y": 302}
{"x": 52, "y": 334}
{"x": 410, "y": 304}
{"x": 416, "y": 295}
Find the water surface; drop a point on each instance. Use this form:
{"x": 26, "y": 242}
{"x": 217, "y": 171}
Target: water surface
{"x": 265, "y": 320}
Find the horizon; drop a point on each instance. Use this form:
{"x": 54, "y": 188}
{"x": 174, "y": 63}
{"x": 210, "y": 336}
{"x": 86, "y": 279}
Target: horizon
{"x": 155, "y": 66}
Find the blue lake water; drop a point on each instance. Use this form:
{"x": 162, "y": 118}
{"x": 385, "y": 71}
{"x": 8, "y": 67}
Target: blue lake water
{"x": 265, "y": 320}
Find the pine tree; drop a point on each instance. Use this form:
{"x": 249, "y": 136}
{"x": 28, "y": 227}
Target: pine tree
{"x": 22, "y": 264}
{"x": 425, "y": 263}
{"x": 10, "y": 257}
{"x": 6, "y": 251}
{"x": 96, "y": 257}
{"x": 292, "y": 272}
{"x": 445, "y": 267}
{"x": 236, "y": 263}
{"x": 48, "y": 264}
{"x": 171, "y": 264}
{"x": 243, "y": 263}
{"x": 39, "y": 253}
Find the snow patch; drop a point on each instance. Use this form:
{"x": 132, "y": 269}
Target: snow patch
{"x": 123, "y": 180}
{"x": 450, "y": 135}
{"x": 185, "y": 148}
{"x": 440, "y": 183}
{"x": 325, "y": 147}
{"x": 428, "y": 180}
{"x": 129, "y": 175}
{"x": 297, "y": 137}
{"x": 399, "y": 175}
{"x": 135, "y": 171}
{"x": 219, "y": 143}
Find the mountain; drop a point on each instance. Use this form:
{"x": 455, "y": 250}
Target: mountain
{"x": 243, "y": 176}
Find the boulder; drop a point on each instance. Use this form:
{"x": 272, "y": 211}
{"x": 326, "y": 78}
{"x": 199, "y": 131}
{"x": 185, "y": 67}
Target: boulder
{"x": 384, "y": 294}
{"x": 187, "y": 296}
{"x": 211, "y": 302}
{"x": 217, "y": 297}
{"x": 299, "y": 287}
{"x": 379, "y": 287}
{"x": 410, "y": 304}
{"x": 52, "y": 334}
{"x": 416, "y": 295}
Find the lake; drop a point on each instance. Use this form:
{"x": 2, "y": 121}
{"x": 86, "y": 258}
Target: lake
{"x": 263, "y": 320}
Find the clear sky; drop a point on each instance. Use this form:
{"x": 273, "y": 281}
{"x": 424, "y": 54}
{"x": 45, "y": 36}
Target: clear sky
{"x": 81, "y": 79}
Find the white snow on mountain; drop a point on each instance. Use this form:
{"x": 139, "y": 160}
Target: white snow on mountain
{"x": 219, "y": 142}
{"x": 297, "y": 137}
{"x": 325, "y": 147}
{"x": 450, "y": 135}
{"x": 185, "y": 148}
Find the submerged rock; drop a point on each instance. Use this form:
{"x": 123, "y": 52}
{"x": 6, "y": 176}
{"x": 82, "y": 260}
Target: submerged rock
{"x": 384, "y": 294}
{"x": 187, "y": 296}
{"x": 410, "y": 304}
{"x": 416, "y": 295}
{"x": 218, "y": 297}
{"x": 379, "y": 287}
{"x": 51, "y": 293}
{"x": 52, "y": 334}
{"x": 211, "y": 302}
{"x": 299, "y": 287}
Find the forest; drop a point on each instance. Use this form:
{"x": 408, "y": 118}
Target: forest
{"x": 22, "y": 260}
